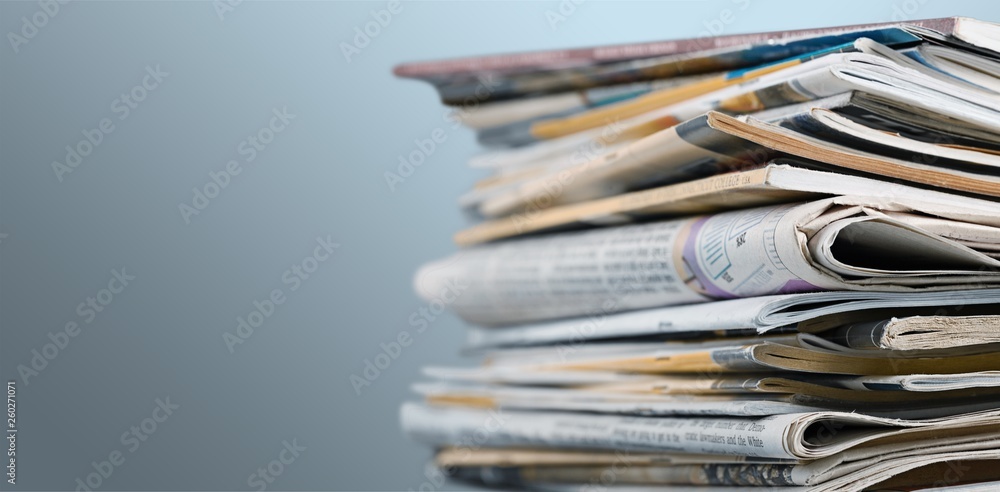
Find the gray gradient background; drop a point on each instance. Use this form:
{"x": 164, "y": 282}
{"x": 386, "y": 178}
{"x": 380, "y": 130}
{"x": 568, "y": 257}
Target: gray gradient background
{"x": 162, "y": 336}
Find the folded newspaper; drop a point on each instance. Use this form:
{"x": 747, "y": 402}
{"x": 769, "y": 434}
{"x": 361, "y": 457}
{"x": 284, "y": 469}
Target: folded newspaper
{"x": 764, "y": 260}
{"x": 841, "y": 243}
{"x": 808, "y": 311}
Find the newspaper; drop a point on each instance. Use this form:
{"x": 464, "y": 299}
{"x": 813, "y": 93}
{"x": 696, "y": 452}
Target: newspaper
{"x": 972, "y": 487}
{"x": 840, "y": 243}
{"x": 782, "y": 180}
{"x": 752, "y": 314}
{"x": 681, "y": 153}
{"x": 826, "y": 322}
{"x": 596, "y": 401}
{"x": 512, "y": 123}
{"x": 649, "y": 62}
{"x": 838, "y": 391}
{"x": 926, "y": 330}
{"x": 800, "y": 354}
{"x": 944, "y": 66}
{"x": 928, "y": 382}
{"x": 463, "y": 457}
{"x": 745, "y": 404}
{"x": 797, "y": 436}
{"x": 974, "y": 463}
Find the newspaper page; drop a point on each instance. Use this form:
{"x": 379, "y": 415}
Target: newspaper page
{"x": 595, "y": 401}
{"x": 745, "y": 253}
{"x": 906, "y": 89}
{"x": 805, "y": 436}
{"x": 752, "y": 314}
{"x": 976, "y": 463}
{"x": 496, "y": 427}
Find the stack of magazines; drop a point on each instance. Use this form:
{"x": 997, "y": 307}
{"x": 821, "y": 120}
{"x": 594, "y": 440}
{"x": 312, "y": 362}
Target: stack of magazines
{"x": 763, "y": 260}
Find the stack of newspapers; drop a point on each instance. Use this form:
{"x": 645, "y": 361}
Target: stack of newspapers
{"x": 761, "y": 260}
